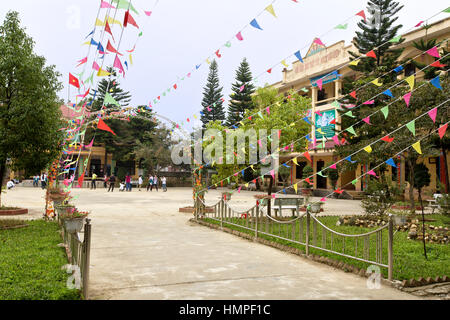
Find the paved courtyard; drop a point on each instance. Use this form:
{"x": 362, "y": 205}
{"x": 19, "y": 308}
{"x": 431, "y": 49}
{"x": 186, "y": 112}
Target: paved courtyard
{"x": 143, "y": 248}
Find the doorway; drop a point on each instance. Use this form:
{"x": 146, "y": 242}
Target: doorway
{"x": 321, "y": 181}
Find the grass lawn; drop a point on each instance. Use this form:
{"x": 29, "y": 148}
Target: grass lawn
{"x": 30, "y": 264}
{"x": 409, "y": 260}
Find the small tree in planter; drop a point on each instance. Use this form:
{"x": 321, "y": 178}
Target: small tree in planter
{"x": 421, "y": 179}
{"x": 379, "y": 197}
{"x": 333, "y": 175}
{"x": 284, "y": 173}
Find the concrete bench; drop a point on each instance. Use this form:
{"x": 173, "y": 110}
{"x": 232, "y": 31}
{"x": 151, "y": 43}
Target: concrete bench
{"x": 293, "y": 204}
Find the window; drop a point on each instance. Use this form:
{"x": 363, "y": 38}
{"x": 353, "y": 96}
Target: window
{"x": 321, "y": 95}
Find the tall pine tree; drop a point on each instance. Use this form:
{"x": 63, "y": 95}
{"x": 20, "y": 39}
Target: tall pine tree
{"x": 241, "y": 100}
{"x": 212, "y": 97}
{"x": 378, "y": 33}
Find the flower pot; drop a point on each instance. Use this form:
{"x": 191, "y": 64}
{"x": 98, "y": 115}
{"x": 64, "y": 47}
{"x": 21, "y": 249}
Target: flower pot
{"x": 73, "y": 225}
{"x": 315, "y": 207}
{"x": 62, "y": 209}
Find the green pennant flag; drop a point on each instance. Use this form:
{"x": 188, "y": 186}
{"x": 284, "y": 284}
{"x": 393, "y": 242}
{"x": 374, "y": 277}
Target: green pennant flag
{"x": 385, "y": 111}
{"x": 260, "y": 115}
{"x": 140, "y": 34}
{"x": 351, "y": 130}
{"x": 164, "y": 94}
{"x": 228, "y": 179}
{"x": 228, "y": 44}
{"x": 124, "y": 4}
{"x": 412, "y": 127}
{"x": 336, "y": 104}
{"x": 90, "y": 79}
{"x": 342, "y": 26}
{"x": 395, "y": 39}
{"x": 268, "y": 138}
{"x": 447, "y": 10}
{"x": 354, "y": 182}
{"x": 321, "y": 174}
{"x": 305, "y": 90}
{"x": 349, "y": 114}
{"x": 110, "y": 100}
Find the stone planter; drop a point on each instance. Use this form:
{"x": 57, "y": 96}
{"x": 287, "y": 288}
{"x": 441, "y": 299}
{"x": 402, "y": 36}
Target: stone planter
{"x": 316, "y": 207}
{"x": 73, "y": 225}
{"x": 62, "y": 209}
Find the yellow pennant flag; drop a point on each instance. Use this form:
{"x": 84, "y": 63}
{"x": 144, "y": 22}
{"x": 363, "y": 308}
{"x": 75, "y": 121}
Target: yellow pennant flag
{"x": 113, "y": 21}
{"x": 295, "y": 187}
{"x": 99, "y": 23}
{"x": 354, "y": 63}
{"x": 295, "y": 161}
{"x": 252, "y": 168}
{"x": 86, "y": 43}
{"x": 416, "y": 147}
{"x": 271, "y": 10}
{"x": 243, "y": 149}
{"x": 368, "y": 149}
{"x": 284, "y": 63}
{"x": 207, "y": 61}
{"x": 377, "y": 83}
{"x": 102, "y": 73}
{"x": 292, "y": 124}
{"x": 411, "y": 80}
{"x": 131, "y": 59}
{"x": 320, "y": 131}
{"x": 195, "y": 117}
{"x": 246, "y": 185}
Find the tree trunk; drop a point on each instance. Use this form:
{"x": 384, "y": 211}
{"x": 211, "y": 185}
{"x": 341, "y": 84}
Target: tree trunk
{"x": 411, "y": 186}
{"x": 423, "y": 226}
{"x": 269, "y": 192}
{"x": 2, "y": 176}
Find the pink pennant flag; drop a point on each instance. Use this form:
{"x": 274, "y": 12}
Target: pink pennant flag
{"x": 336, "y": 140}
{"x": 239, "y": 189}
{"x": 333, "y": 166}
{"x": 105, "y": 4}
{"x": 274, "y": 195}
{"x": 442, "y": 130}
{"x": 419, "y": 24}
{"x": 432, "y": 113}
{"x": 260, "y": 143}
{"x": 318, "y": 113}
{"x": 367, "y": 120}
{"x": 407, "y": 98}
{"x": 350, "y": 106}
{"x": 320, "y": 84}
{"x": 95, "y": 66}
{"x": 268, "y": 110}
{"x": 82, "y": 61}
{"x": 323, "y": 199}
{"x": 90, "y": 144}
{"x": 209, "y": 109}
{"x": 372, "y": 173}
{"x": 118, "y": 65}
{"x": 434, "y": 52}
{"x": 239, "y": 36}
{"x": 189, "y": 75}
{"x": 242, "y": 88}
{"x": 319, "y": 42}
{"x": 148, "y": 13}
{"x": 272, "y": 173}
{"x": 369, "y": 102}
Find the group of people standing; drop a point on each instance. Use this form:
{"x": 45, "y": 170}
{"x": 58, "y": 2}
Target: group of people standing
{"x": 127, "y": 185}
{"x": 40, "y": 178}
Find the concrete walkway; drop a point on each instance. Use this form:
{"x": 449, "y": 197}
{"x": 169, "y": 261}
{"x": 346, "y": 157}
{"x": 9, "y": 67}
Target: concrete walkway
{"x": 142, "y": 248}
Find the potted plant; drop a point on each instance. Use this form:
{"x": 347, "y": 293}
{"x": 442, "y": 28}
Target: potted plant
{"x": 63, "y": 207}
{"x": 57, "y": 195}
{"x": 316, "y": 207}
{"x": 307, "y": 188}
{"x": 73, "y": 219}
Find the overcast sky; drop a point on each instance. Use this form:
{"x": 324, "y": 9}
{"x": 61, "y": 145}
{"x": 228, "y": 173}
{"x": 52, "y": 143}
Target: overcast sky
{"x": 181, "y": 34}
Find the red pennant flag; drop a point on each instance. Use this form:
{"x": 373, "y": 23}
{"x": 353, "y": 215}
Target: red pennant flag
{"x": 438, "y": 64}
{"x": 175, "y": 86}
{"x": 81, "y": 179}
{"x": 103, "y": 126}
{"x": 129, "y": 19}
{"x": 110, "y": 48}
{"x": 371, "y": 54}
{"x": 442, "y": 130}
{"x": 108, "y": 29}
{"x": 218, "y": 54}
{"x": 362, "y": 14}
{"x": 307, "y": 156}
{"x": 74, "y": 81}
{"x": 339, "y": 191}
{"x": 270, "y": 70}
{"x": 87, "y": 92}
{"x": 353, "y": 94}
{"x": 387, "y": 139}
{"x": 309, "y": 181}
{"x": 333, "y": 121}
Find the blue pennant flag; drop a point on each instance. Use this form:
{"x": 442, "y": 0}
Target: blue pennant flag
{"x": 391, "y": 163}
{"x": 100, "y": 47}
{"x": 234, "y": 127}
{"x": 126, "y": 64}
{"x": 308, "y": 138}
{"x": 398, "y": 69}
{"x": 242, "y": 172}
{"x": 349, "y": 158}
{"x": 284, "y": 164}
{"x": 284, "y": 190}
{"x": 90, "y": 34}
{"x": 255, "y": 24}
{"x": 299, "y": 56}
{"x": 436, "y": 82}
{"x": 388, "y": 93}
{"x": 197, "y": 66}
{"x": 201, "y": 113}
{"x": 93, "y": 42}
{"x": 306, "y": 119}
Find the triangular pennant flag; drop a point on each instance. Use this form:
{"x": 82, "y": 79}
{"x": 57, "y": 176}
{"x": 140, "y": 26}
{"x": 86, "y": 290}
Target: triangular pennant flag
{"x": 299, "y": 56}
{"x": 371, "y": 54}
{"x": 349, "y": 158}
{"x": 434, "y": 52}
{"x": 351, "y": 130}
{"x": 447, "y": 10}
{"x": 354, "y": 62}
{"x": 412, "y": 127}
{"x": 369, "y": 102}
{"x": 108, "y": 29}
{"x": 342, "y": 26}
{"x": 387, "y": 139}
{"x": 110, "y": 100}
{"x": 395, "y": 39}
{"x": 82, "y": 61}
{"x": 321, "y": 174}
{"x": 432, "y": 113}
{"x": 377, "y": 82}
{"x": 372, "y": 173}
{"x": 228, "y": 44}
{"x": 307, "y": 156}
{"x": 333, "y": 166}
{"x": 269, "y": 70}
{"x": 362, "y": 14}
{"x": 367, "y": 120}
{"x": 438, "y": 64}
{"x": 336, "y": 140}
{"x": 407, "y": 98}
{"x": 283, "y": 62}
{"x": 255, "y": 24}
{"x": 442, "y": 130}
{"x": 417, "y": 147}
{"x": 319, "y": 42}
{"x": 353, "y": 94}
{"x": 398, "y": 69}
{"x": 103, "y": 126}
{"x": 239, "y": 36}
{"x": 295, "y": 161}
{"x": 368, "y": 149}
{"x": 129, "y": 19}
{"x": 388, "y": 93}
{"x": 436, "y": 82}
{"x": 102, "y": 73}
{"x": 295, "y": 187}
{"x": 354, "y": 182}
{"x": 411, "y": 81}
{"x": 385, "y": 111}
{"x": 110, "y": 48}
{"x": 320, "y": 83}
{"x": 391, "y": 163}
{"x": 270, "y": 9}
{"x": 349, "y": 114}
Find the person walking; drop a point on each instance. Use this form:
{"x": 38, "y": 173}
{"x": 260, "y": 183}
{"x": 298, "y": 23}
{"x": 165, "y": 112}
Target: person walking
{"x": 105, "y": 181}
{"x": 150, "y": 183}
{"x": 43, "y": 181}
{"x": 36, "y": 181}
{"x": 140, "y": 182}
{"x": 112, "y": 182}
{"x": 93, "y": 181}
{"x": 155, "y": 183}
{"x": 128, "y": 182}
{"x": 164, "y": 183}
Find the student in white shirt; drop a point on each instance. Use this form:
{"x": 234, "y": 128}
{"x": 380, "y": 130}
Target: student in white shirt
{"x": 164, "y": 183}
{"x": 140, "y": 182}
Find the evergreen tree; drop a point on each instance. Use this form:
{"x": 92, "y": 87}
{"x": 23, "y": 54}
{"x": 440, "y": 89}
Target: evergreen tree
{"x": 241, "y": 100}
{"x": 376, "y": 34}
{"x": 212, "y": 97}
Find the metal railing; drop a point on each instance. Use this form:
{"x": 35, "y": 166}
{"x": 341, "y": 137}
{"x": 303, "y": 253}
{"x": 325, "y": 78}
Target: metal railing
{"x": 79, "y": 253}
{"x": 374, "y": 247}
